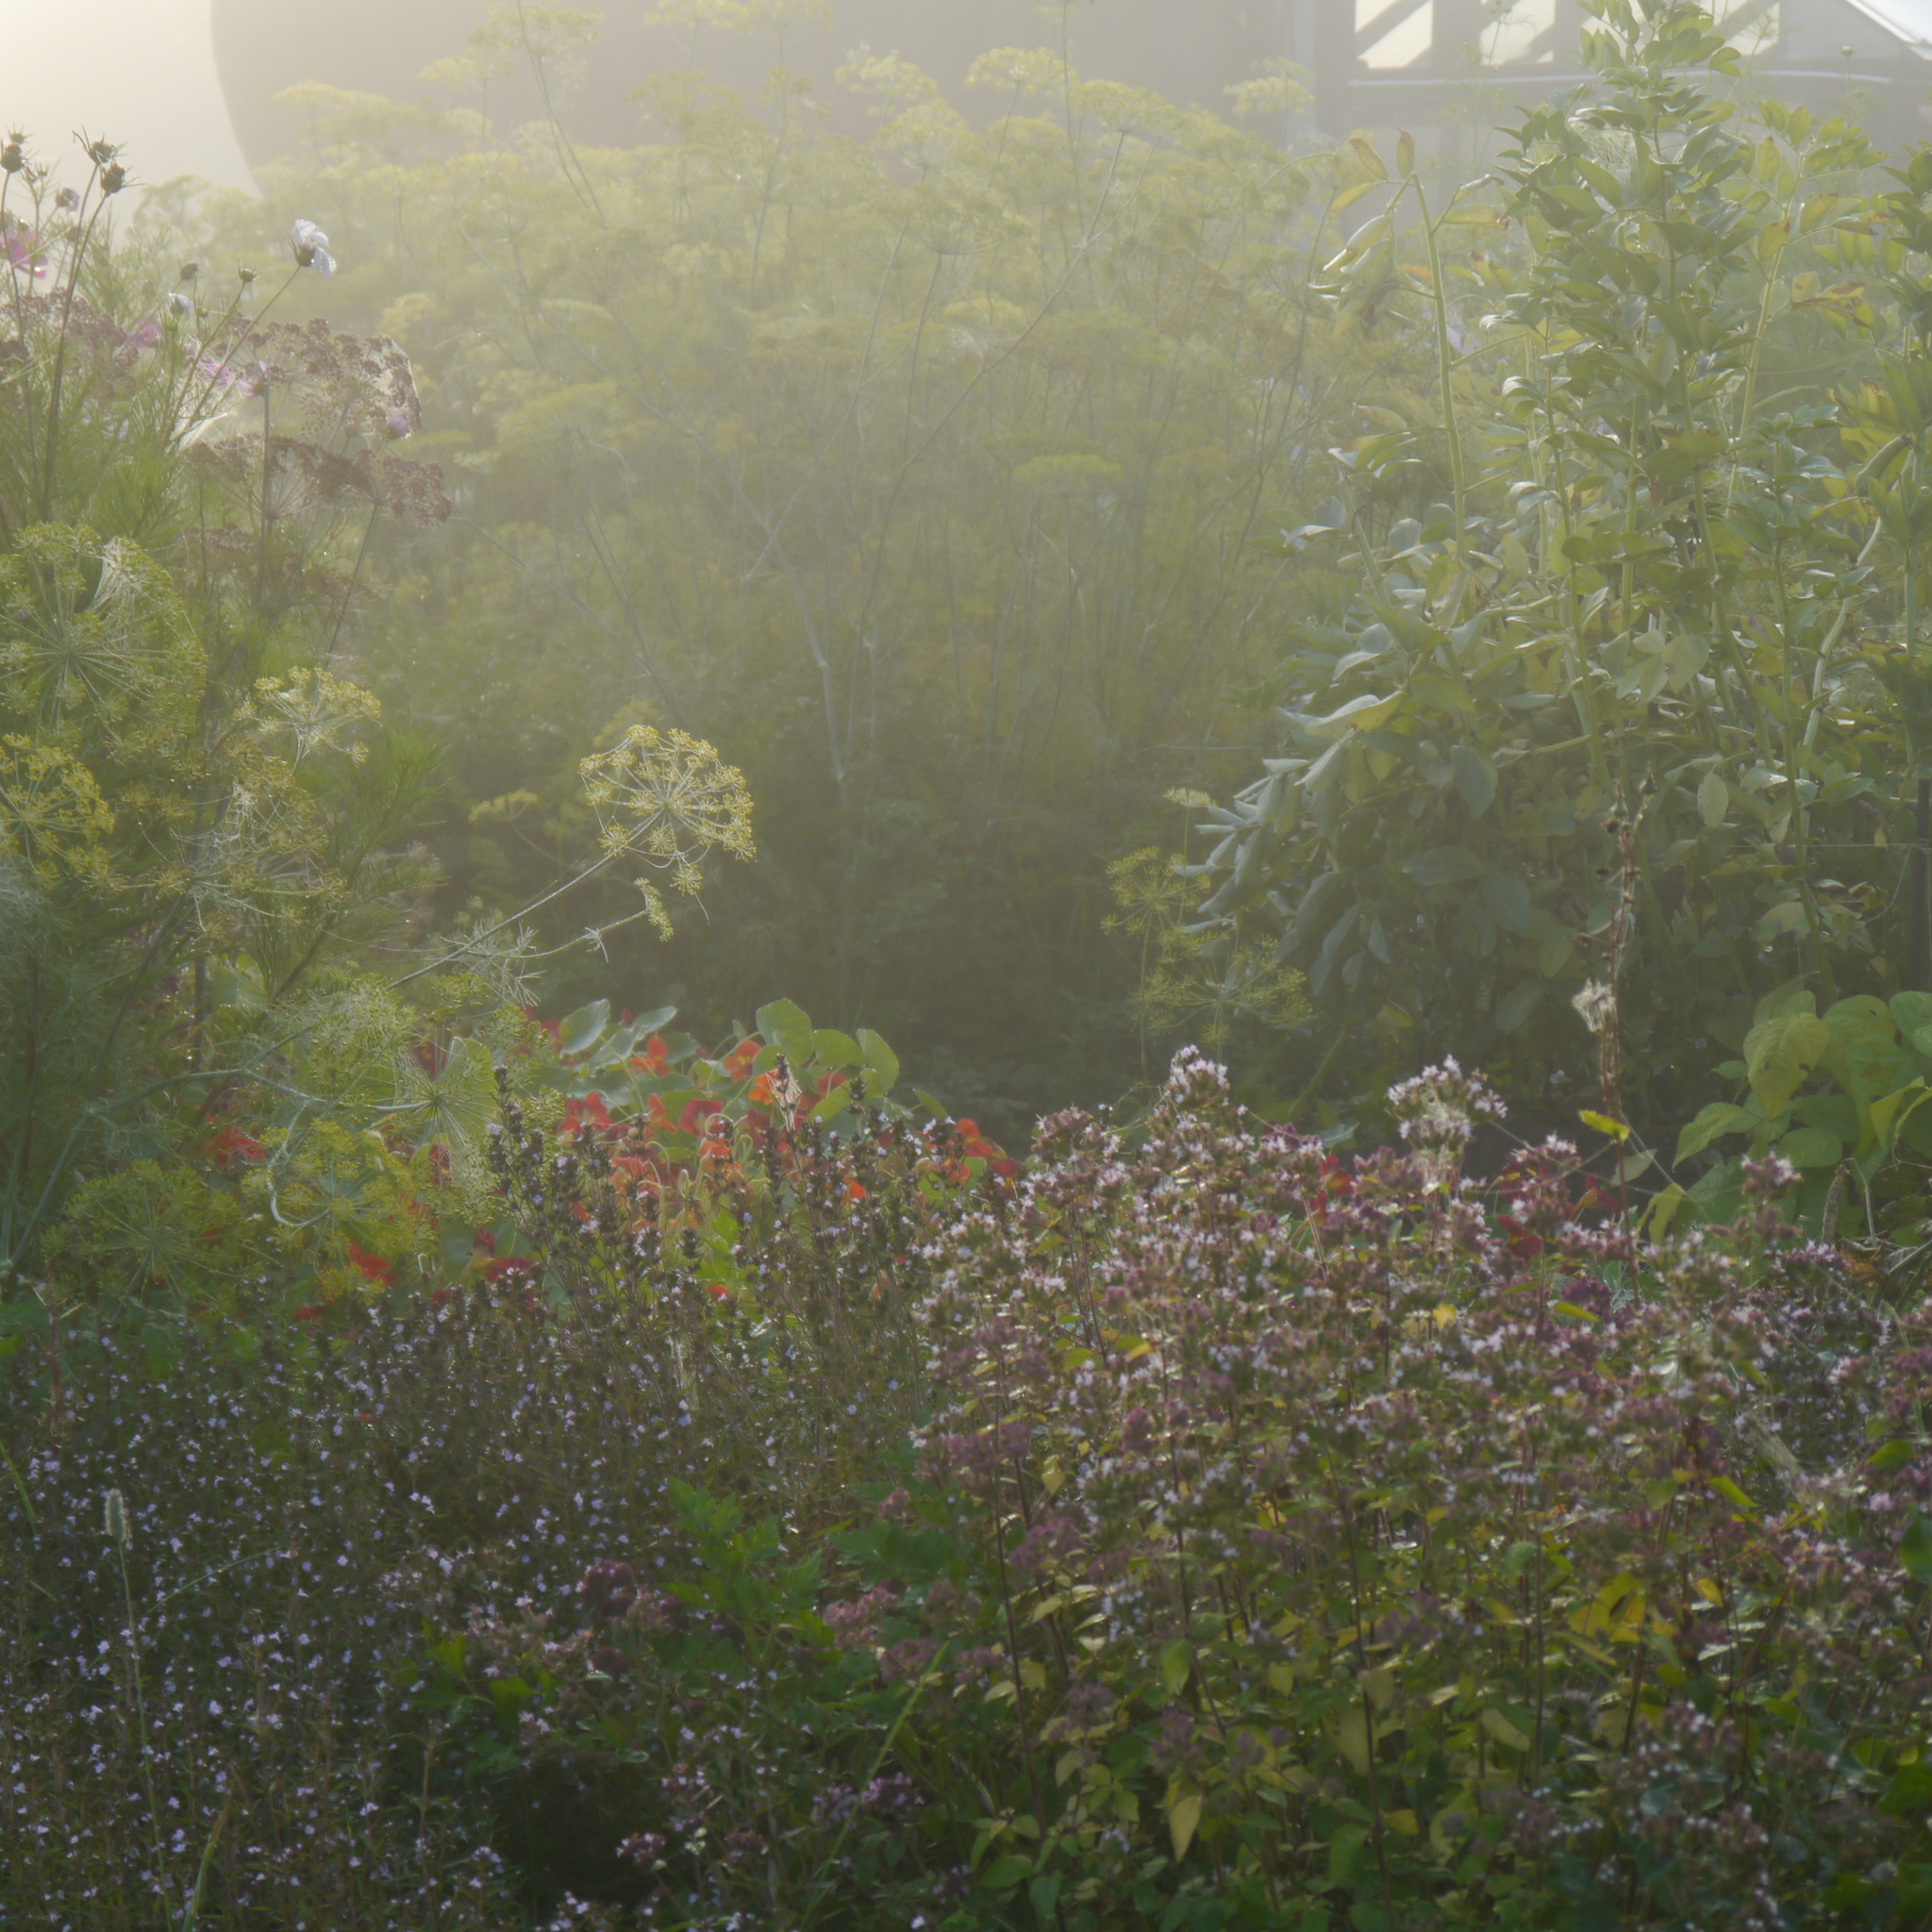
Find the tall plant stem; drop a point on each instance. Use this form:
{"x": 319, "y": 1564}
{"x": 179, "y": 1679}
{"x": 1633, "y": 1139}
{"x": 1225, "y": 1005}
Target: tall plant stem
{"x": 147, "y": 1775}
{"x": 80, "y": 248}
{"x": 1445, "y": 365}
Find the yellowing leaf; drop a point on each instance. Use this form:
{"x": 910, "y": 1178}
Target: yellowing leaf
{"x": 1604, "y": 1125}
{"x": 1352, "y": 1736}
{"x": 1663, "y": 1212}
{"x": 1183, "y": 1815}
{"x": 1500, "y": 1729}
{"x": 1176, "y": 1661}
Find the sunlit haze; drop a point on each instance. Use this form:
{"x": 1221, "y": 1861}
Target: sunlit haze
{"x": 140, "y": 71}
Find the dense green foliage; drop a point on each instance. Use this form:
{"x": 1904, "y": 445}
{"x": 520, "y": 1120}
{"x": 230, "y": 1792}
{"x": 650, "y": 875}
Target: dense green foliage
{"x": 465, "y": 1471}
{"x": 1637, "y": 697}
{"x": 923, "y": 478}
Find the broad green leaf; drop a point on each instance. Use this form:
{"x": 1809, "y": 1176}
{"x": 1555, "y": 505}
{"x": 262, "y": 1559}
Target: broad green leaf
{"x": 881, "y": 1063}
{"x": 1444, "y": 865}
{"x": 1911, "y": 1011}
{"x": 584, "y": 1029}
{"x": 1517, "y": 1005}
{"x": 786, "y": 1027}
{"x": 1476, "y": 779}
{"x": 1780, "y": 1054}
{"x": 1806, "y": 1147}
{"x": 1784, "y": 920}
{"x": 1176, "y": 1663}
{"x": 831, "y": 1048}
{"x": 1874, "y": 1069}
{"x": 1792, "y": 997}
{"x": 1857, "y": 1020}
{"x": 1442, "y": 692}
{"x": 1508, "y": 900}
{"x": 1720, "y": 1118}
{"x": 1005, "y": 1873}
{"x": 833, "y": 1104}
{"x": 1684, "y": 657}
{"x": 1713, "y": 799}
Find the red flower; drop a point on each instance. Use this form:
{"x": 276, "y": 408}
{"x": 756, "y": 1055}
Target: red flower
{"x": 590, "y": 1109}
{"x": 230, "y": 1145}
{"x": 438, "y": 1296}
{"x": 374, "y": 1267}
{"x": 854, "y": 1191}
{"x": 311, "y": 1314}
{"x": 738, "y": 1061}
{"x": 657, "y": 1057}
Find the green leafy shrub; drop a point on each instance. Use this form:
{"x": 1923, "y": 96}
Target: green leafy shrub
{"x": 917, "y": 474}
{"x": 1838, "y": 1095}
{"x": 1631, "y": 698}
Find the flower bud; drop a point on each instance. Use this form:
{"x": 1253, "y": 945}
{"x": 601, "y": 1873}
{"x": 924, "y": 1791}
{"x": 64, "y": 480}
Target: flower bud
{"x": 114, "y": 1512}
{"x": 113, "y": 178}
{"x": 12, "y": 157}
{"x": 178, "y": 304}
{"x": 68, "y": 199}
{"x": 191, "y": 271}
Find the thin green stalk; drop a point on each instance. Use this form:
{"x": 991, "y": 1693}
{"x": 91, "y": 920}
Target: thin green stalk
{"x": 116, "y": 1516}
{"x": 80, "y": 253}
{"x": 1445, "y": 366}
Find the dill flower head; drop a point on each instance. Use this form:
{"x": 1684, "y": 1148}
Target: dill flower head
{"x": 669, "y": 799}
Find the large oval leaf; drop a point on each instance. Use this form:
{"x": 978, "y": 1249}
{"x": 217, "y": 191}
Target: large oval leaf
{"x": 1779, "y": 1055}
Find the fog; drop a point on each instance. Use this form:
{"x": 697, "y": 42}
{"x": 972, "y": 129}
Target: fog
{"x": 141, "y": 71}
{"x": 190, "y": 86}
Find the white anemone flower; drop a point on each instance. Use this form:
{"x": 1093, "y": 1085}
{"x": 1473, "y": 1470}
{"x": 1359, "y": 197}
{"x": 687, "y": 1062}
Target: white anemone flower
{"x": 311, "y": 248}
